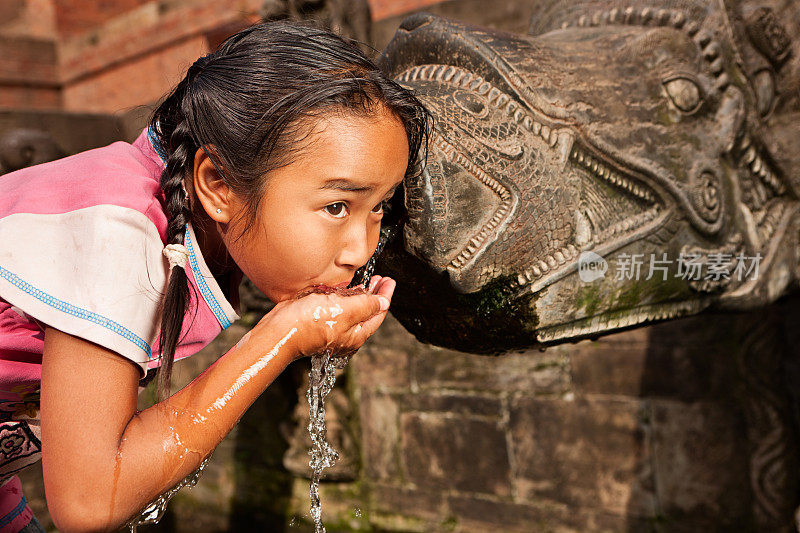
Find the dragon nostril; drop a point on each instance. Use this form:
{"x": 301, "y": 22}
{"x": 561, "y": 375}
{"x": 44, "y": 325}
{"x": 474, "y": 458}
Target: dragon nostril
{"x": 413, "y": 22}
{"x": 706, "y": 196}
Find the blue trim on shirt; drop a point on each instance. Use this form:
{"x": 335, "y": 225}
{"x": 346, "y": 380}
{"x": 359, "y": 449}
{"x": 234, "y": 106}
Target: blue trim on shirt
{"x": 208, "y": 296}
{"x": 151, "y": 136}
{"x": 75, "y": 311}
{"x": 13, "y": 513}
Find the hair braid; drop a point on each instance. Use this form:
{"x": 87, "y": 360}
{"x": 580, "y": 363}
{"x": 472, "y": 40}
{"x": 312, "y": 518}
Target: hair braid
{"x": 181, "y": 151}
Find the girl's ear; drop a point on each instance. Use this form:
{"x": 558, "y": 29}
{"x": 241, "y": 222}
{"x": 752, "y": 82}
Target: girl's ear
{"x": 217, "y": 199}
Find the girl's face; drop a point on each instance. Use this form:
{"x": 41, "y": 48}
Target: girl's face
{"x": 320, "y": 217}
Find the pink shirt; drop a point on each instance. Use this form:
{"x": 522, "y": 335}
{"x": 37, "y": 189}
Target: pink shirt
{"x": 81, "y": 243}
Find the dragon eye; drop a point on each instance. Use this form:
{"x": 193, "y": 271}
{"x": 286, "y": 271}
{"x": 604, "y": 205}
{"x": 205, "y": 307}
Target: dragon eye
{"x": 765, "y": 90}
{"x": 684, "y": 93}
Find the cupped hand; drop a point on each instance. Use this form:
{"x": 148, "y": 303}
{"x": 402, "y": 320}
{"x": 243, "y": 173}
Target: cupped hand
{"x": 336, "y": 320}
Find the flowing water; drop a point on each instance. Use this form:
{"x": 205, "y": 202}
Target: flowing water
{"x": 154, "y": 511}
{"x": 320, "y": 383}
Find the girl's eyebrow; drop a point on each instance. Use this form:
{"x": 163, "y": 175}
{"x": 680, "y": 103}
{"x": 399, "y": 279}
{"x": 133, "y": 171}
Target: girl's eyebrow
{"x": 342, "y": 184}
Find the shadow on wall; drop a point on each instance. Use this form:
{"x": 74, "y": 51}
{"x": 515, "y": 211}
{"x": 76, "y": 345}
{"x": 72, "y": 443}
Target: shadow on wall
{"x": 719, "y": 423}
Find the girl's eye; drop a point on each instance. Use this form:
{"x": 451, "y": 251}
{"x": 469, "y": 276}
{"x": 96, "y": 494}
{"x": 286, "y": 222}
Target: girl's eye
{"x": 337, "y": 210}
{"x": 378, "y": 208}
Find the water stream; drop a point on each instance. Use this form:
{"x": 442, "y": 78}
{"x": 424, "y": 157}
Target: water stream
{"x": 154, "y": 511}
{"x": 320, "y": 383}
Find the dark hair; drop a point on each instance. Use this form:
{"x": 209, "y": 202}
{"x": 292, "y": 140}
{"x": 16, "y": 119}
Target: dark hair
{"x": 245, "y": 104}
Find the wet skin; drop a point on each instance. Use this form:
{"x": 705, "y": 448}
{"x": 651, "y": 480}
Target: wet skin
{"x": 102, "y": 460}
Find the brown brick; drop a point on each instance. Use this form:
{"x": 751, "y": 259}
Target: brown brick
{"x": 29, "y": 61}
{"x": 383, "y": 361}
{"x": 589, "y": 453}
{"x": 480, "y": 515}
{"x": 420, "y": 503}
{"x": 145, "y": 80}
{"x": 76, "y": 16}
{"x": 702, "y": 465}
{"x": 29, "y": 98}
{"x": 456, "y": 404}
{"x": 379, "y": 416}
{"x": 450, "y": 452}
{"x": 606, "y": 369}
{"x": 531, "y": 372}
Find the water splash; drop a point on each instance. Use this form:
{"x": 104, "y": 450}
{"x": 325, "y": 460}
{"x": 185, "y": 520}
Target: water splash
{"x": 363, "y": 274}
{"x": 154, "y": 511}
{"x": 320, "y": 383}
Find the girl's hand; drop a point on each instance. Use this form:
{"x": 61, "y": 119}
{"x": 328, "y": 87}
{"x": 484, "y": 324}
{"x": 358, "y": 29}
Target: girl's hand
{"x": 338, "y": 320}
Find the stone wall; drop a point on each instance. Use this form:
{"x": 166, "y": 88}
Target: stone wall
{"x": 646, "y": 430}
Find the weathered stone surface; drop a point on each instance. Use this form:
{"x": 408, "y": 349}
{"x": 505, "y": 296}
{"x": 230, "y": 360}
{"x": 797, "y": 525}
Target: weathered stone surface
{"x": 383, "y": 361}
{"x": 700, "y": 457}
{"x": 380, "y": 436}
{"x": 338, "y": 418}
{"x": 419, "y": 502}
{"x": 450, "y": 452}
{"x": 585, "y": 453}
{"x": 475, "y": 514}
{"x": 529, "y": 372}
{"x": 474, "y": 404}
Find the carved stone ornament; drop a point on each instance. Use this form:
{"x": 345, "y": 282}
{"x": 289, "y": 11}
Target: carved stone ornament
{"x": 619, "y": 165}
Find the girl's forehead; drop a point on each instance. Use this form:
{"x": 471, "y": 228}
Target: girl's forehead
{"x": 349, "y": 153}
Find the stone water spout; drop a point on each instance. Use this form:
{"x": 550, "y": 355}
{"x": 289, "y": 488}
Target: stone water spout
{"x": 626, "y": 162}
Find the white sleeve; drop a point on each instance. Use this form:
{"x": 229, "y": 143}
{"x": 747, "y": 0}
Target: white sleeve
{"x": 96, "y": 273}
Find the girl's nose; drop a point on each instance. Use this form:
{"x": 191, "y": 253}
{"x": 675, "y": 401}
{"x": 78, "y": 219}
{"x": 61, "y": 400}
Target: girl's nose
{"x": 357, "y": 247}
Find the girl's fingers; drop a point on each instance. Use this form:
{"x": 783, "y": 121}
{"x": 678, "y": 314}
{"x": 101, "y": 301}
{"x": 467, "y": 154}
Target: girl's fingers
{"x": 373, "y": 282}
{"x": 365, "y": 329}
{"x": 386, "y": 287}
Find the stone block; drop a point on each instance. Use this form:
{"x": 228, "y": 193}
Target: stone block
{"x": 702, "y": 465}
{"x": 420, "y": 503}
{"x": 380, "y": 436}
{"x": 587, "y": 453}
{"x": 472, "y": 514}
{"x": 383, "y": 361}
{"x": 459, "y": 404}
{"x": 452, "y": 452}
{"x": 531, "y": 372}
{"x": 605, "y": 368}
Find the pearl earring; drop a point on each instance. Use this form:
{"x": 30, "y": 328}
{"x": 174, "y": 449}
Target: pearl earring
{"x": 219, "y": 210}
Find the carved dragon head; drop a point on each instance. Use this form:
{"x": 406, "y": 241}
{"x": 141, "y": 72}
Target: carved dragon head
{"x": 630, "y": 139}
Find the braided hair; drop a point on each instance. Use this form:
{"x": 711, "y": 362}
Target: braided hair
{"x": 245, "y": 104}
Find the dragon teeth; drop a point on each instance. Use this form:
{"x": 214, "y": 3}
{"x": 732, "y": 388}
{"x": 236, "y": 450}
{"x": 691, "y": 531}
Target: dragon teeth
{"x": 526, "y": 122}
{"x": 545, "y": 133}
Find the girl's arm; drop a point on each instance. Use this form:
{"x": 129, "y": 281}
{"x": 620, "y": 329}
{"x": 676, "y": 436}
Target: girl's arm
{"x": 103, "y": 461}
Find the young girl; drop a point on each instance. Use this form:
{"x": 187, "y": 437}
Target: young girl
{"x": 272, "y": 158}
